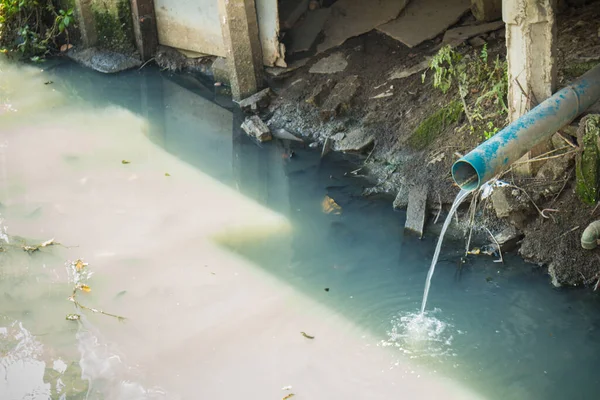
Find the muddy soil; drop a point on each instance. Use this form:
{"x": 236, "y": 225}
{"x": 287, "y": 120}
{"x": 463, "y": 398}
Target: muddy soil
{"x": 385, "y": 127}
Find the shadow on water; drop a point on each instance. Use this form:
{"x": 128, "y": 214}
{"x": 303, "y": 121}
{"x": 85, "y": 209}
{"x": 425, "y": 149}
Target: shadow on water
{"x": 504, "y": 330}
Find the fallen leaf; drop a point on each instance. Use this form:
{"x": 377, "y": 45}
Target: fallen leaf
{"x": 79, "y": 264}
{"x": 329, "y": 206}
{"x": 125, "y": 162}
{"x": 307, "y": 335}
{"x": 289, "y": 396}
{"x": 73, "y": 317}
{"x": 475, "y": 251}
{"x": 65, "y": 47}
{"x": 167, "y": 174}
{"x": 85, "y": 288}
{"x": 48, "y": 83}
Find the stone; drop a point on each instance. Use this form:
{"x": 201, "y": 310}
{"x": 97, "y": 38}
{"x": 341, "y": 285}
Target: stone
{"x": 401, "y": 200}
{"x": 256, "y": 128}
{"x": 340, "y": 99}
{"x": 330, "y": 65}
{"x": 356, "y": 140}
{"x": 256, "y": 102}
{"x": 508, "y": 238}
{"x": 105, "y": 61}
{"x": 417, "y": 210}
{"x": 511, "y": 204}
{"x": 320, "y": 92}
{"x": 477, "y": 41}
{"x": 553, "y": 173}
{"x": 220, "y": 70}
{"x": 402, "y": 73}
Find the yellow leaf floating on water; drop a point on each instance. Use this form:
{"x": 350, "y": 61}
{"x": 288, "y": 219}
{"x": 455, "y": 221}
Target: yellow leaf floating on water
{"x": 167, "y": 174}
{"x": 475, "y": 251}
{"x": 125, "y": 162}
{"x": 85, "y": 288}
{"x": 329, "y": 206}
{"x": 79, "y": 264}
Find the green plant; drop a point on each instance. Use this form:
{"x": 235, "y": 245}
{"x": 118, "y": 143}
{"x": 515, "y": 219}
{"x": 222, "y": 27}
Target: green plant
{"x": 444, "y": 66}
{"x": 490, "y": 131}
{"x": 33, "y": 28}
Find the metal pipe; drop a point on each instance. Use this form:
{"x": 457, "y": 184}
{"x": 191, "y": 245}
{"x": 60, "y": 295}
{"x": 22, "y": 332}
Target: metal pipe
{"x": 510, "y": 144}
{"x": 590, "y": 236}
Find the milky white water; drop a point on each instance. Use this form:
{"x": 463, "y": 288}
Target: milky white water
{"x": 220, "y": 265}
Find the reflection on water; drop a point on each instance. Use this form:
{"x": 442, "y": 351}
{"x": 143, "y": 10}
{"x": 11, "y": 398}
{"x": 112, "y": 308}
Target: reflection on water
{"x": 219, "y": 253}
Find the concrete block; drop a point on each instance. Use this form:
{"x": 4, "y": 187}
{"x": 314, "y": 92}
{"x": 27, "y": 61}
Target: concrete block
{"x": 256, "y": 128}
{"x": 257, "y": 101}
{"x": 416, "y": 212}
{"x": 144, "y": 28}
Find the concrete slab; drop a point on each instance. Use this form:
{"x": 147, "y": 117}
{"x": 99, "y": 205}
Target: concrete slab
{"x": 417, "y": 210}
{"x": 424, "y": 19}
{"x": 304, "y": 35}
{"x": 401, "y": 73}
{"x": 351, "y": 18}
{"x": 456, "y": 36}
{"x": 290, "y": 12}
{"x": 330, "y": 65}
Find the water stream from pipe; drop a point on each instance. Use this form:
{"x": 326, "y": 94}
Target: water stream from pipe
{"x": 457, "y": 201}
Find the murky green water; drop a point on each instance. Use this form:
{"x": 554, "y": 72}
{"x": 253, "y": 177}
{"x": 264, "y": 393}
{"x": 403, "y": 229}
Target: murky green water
{"x": 351, "y": 279}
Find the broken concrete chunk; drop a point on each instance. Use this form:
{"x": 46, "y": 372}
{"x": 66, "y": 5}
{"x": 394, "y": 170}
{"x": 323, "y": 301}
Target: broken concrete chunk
{"x": 424, "y": 19}
{"x": 508, "y": 238}
{"x": 417, "y": 210}
{"x": 340, "y": 98}
{"x": 402, "y": 73}
{"x": 255, "y": 127}
{"x": 285, "y": 135}
{"x": 401, "y": 200}
{"x": 355, "y": 140}
{"x": 511, "y": 204}
{"x": 290, "y": 11}
{"x": 278, "y": 72}
{"x": 456, "y": 36}
{"x": 320, "y": 93}
{"x": 330, "y": 65}
{"x": 351, "y": 18}
{"x": 256, "y": 101}
{"x": 304, "y": 35}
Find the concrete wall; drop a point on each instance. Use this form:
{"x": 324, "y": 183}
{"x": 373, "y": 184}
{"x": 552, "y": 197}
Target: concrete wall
{"x": 194, "y": 25}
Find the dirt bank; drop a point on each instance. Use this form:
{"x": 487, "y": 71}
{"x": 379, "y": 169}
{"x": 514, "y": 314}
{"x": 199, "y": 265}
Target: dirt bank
{"x": 410, "y": 132}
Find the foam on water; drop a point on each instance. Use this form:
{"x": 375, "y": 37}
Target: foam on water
{"x": 421, "y": 335}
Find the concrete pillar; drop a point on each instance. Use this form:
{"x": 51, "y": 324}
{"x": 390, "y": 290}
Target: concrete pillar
{"x": 85, "y": 22}
{"x": 239, "y": 25}
{"x": 486, "y": 10}
{"x": 531, "y": 51}
{"x": 144, "y": 28}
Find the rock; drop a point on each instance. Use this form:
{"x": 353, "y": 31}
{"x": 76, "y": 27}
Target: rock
{"x": 401, "y": 200}
{"x": 320, "y": 93}
{"x": 285, "y": 135}
{"x": 417, "y": 210}
{"x": 477, "y": 41}
{"x": 220, "y": 70}
{"x": 402, "y": 73}
{"x": 355, "y": 140}
{"x": 510, "y": 203}
{"x": 340, "y": 98}
{"x": 508, "y": 238}
{"x": 330, "y": 65}
{"x": 104, "y": 61}
{"x": 554, "y": 172}
{"x": 255, "y": 127}
{"x": 256, "y": 101}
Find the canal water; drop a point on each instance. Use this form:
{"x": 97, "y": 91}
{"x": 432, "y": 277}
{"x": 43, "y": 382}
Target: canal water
{"x": 243, "y": 270}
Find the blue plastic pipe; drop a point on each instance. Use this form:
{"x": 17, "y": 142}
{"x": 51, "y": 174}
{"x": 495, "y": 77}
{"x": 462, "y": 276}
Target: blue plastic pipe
{"x": 513, "y": 142}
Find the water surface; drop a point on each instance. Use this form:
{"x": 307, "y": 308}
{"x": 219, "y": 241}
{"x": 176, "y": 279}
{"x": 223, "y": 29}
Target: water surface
{"x": 219, "y": 253}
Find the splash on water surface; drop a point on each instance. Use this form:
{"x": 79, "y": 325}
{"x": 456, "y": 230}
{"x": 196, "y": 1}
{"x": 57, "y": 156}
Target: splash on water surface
{"x": 421, "y": 335}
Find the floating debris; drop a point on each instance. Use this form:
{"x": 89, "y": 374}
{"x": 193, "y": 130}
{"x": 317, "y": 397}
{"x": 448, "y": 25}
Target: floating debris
{"x": 329, "y": 206}
{"x": 125, "y": 162}
{"x": 289, "y": 396}
{"x": 307, "y": 335}
{"x": 73, "y": 317}
{"x": 287, "y": 387}
{"x": 167, "y": 174}
{"x": 33, "y": 249}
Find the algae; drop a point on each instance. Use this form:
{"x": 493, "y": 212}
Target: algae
{"x": 434, "y": 125}
{"x": 577, "y": 69}
{"x": 114, "y": 25}
{"x": 588, "y": 160}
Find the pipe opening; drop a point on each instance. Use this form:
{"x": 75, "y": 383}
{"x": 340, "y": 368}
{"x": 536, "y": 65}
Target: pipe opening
{"x": 465, "y": 175}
